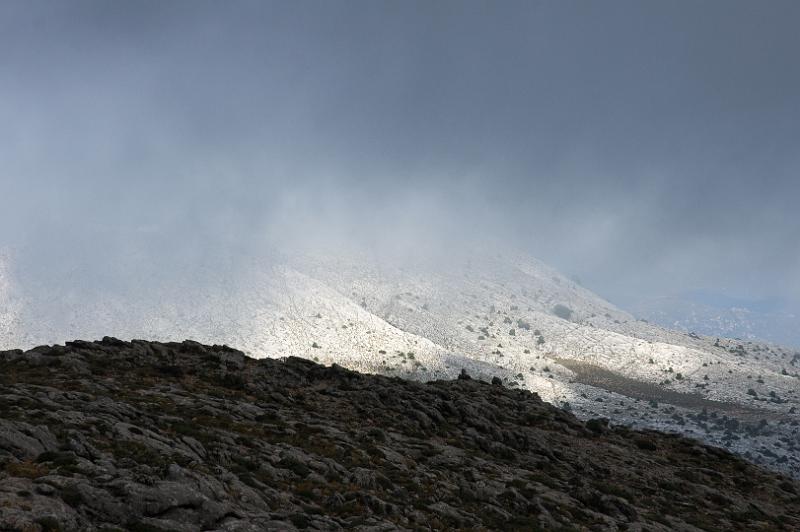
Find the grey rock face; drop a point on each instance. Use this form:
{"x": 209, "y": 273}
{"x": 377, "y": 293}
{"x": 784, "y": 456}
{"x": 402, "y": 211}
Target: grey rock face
{"x": 113, "y": 435}
{"x": 24, "y": 440}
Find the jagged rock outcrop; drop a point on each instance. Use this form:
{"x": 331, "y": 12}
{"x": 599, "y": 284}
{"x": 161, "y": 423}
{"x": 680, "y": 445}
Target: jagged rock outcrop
{"x": 147, "y": 436}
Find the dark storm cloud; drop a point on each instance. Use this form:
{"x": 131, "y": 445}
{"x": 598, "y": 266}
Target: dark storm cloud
{"x": 646, "y": 147}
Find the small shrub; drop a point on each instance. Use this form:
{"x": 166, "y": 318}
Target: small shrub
{"x": 72, "y": 496}
{"x": 49, "y": 524}
{"x": 26, "y": 470}
{"x": 562, "y": 311}
{"x": 645, "y": 444}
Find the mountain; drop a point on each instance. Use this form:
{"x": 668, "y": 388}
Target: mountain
{"x": 503, "y": 315}
{"x": 115, "y": 435}
{"x": 714, "y": 315}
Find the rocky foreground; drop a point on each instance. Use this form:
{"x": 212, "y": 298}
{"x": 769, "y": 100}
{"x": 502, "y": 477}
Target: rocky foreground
{"x": 148, "y": 436}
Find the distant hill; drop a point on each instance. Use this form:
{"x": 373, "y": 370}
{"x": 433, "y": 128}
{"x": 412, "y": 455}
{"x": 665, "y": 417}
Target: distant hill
{"x": 718, "y": 316}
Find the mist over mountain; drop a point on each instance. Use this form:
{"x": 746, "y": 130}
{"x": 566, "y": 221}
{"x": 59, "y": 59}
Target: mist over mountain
{"x": 644, "y": 149}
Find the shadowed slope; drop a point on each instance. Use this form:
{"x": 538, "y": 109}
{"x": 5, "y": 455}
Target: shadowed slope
{"x": 181, "y": 436}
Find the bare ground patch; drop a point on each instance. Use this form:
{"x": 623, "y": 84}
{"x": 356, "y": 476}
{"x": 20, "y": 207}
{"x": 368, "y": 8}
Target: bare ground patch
{"x": 614, "y": 382}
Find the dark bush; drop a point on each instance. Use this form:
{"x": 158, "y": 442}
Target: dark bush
{"x": 562, "y": 311}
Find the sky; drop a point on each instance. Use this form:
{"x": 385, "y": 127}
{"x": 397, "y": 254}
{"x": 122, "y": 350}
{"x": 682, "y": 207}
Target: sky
{"x": 646, "y": 148}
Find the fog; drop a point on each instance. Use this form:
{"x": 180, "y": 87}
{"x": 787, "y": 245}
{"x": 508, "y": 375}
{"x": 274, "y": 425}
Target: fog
{"x": 646, "y": 148}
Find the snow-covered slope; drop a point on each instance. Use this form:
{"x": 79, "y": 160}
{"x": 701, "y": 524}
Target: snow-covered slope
{"x": 493, "y": 315}
{"x": 9, "y": 306}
